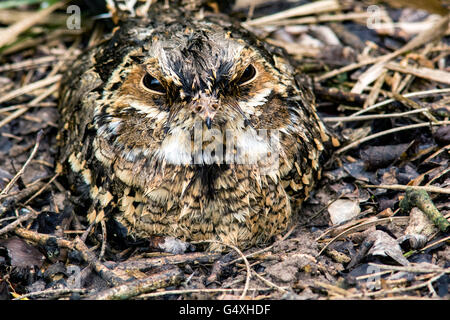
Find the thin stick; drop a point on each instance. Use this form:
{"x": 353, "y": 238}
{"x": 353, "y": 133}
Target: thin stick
{"x": 398, "y": 290}
{"x": 347, "y": 68}
{"x": 134, "y": 288}
{"x": 322, "y": 18}
{"x": 382, "y": 133}
{"x": 30, "y": 87}
{"x": 247, "y": 265}
{"x": 36, "y": 100}
{"x": 22, "y": 170}
{"x": 360, "y": 227}
{"x": 185, "y": 291}
{"x": 41, "y": 189}
{"x": 262, "y": 250}
{"x": 374, "y": 116}
{"x": 403, "y": 188}
{"x": 13, "y": 225}
{"x": 411, "y": 268}
{"x": 269, "y": 283}
{"x": 9, "y": 34}
{"x": 306, "y": 9}
{"x": 53, "y": 293}
{"x": 103, "y": 247}
{"x": 422, "y": 72}
{"x": 77, "y": 244}
{"x": 435, "y": 243}
{"x": 407, "y": 95}
{"x": 28, "y": 64}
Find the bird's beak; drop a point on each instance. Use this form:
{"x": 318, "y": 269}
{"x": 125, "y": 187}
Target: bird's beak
{"x": 207, "y": 114}
{"x": 206, "y": 107}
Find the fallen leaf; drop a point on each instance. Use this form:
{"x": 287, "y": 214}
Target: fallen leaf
{"x": 381, "y": 156}
{"x": 21, "y": 254}
{"x": 386, "y": 246}
{"x": 343, "y": 210}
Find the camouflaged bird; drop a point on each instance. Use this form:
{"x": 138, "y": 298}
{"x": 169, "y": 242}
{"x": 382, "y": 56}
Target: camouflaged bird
{"x": 141, "y": 111}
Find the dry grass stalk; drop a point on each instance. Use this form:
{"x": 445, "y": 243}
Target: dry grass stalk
{"x": 33, "y": 102}
{"x": 403, "y": 188}
{"x": 436, "y": 31}
{"x": 11, "y": 33}
{"x": 306, "y": 9}
{"x": 422, "y": 72}
{"x": 11, "y": 16}
{"x": 323, "y": 18}
{"x": 30, "y": 88}
{"x": 386, "y": 132}
{"x": 22, "y": 170}
{"x": 374, "y": 116}
{"x": 249, "y": 270}
{"x": 360, "y": 227}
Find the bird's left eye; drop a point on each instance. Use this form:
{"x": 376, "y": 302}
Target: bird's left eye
{"x": 152, "y": 84}
{"x": 247, "y": 76}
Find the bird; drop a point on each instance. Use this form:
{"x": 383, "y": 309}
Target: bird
{"x": 185, "y": 125}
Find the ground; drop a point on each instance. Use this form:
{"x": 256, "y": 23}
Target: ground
{"x": 376, "y": 226}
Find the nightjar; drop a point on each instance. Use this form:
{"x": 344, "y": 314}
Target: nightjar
{"x": 186, "y": 125}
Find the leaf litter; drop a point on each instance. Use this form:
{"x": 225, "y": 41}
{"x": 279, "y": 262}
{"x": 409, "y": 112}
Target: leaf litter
{"x": 381, "y": 85}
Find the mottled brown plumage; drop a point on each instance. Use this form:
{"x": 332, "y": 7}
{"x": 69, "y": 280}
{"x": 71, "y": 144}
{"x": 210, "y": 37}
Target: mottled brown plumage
{"x": 132, "y": 109}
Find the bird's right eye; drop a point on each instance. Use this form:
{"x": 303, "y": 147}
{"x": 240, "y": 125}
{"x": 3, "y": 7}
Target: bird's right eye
{"x": 152, "y": 84}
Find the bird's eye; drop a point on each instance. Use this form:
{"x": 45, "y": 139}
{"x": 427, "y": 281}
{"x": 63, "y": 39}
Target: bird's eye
{"x": 152, "y": 84}
{"x": 247, "y": 76}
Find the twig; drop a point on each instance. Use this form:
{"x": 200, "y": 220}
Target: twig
{"x": 336, "y": 289}
{"x": 249, "y": 270}
{"x": 307, "y": 9}
{"x": 339, "y": 96}
{"x": 421, "y": 199}
{"x": 269, "y": 283}
{"x": 435, "y": 243}
{"x": 10, "y": 34}
{"x": 422, "y": 72}
{"x": 360, "y": 227}
{"x": 106, "y": 274}
{"x": 398, "y": 290}
{"x": 13, "y": 225}
{"x": 77, "y": 244}
{"x": 382, "y": 133}
{"x": 262, "y": 250}
{"x": 322, "y": 18}
{"x": 403, "y": 188}
{"x": 51, "y": 293}
{"x": 32, "y": 103}
{"x": 41, "y": 189}
{"x": 42, "y": 238}
{"x": 374, "y": 116}
{"x": 30, "y": 87}
{"x": 134, "y": 288}
{"x": 411, "y": 268}
{"x": 407, "y": 95}
{"x": 144, "y": 264}
{"x": 15, "y": 197}
{"x": 103, "y": 247}
{"x": 347, "y": 68}
{"x": 21, "y": 171}
{"x": 206, "y": 290}
{"x": 28, "y": 64}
